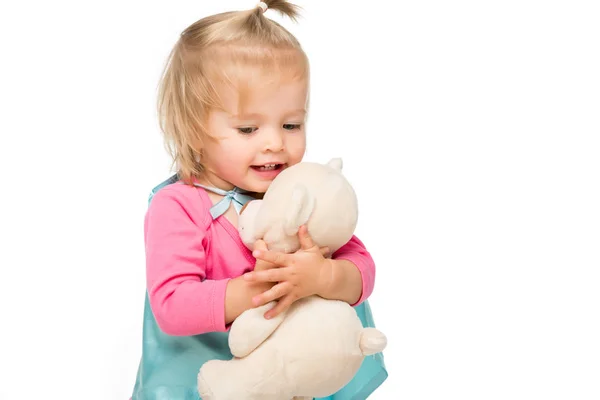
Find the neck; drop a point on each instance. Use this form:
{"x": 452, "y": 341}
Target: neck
{"x": 209, "y": 179}
{"x": 212, "y": 180}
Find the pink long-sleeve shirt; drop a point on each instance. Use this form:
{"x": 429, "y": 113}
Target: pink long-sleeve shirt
{"x": 190, "y": 258}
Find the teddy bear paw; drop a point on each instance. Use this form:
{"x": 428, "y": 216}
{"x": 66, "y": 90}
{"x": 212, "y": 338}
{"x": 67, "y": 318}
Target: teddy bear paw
{"x": 204, "y": 389}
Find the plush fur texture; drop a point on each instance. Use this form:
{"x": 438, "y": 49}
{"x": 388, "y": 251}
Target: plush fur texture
{"x": 316, "y": 346}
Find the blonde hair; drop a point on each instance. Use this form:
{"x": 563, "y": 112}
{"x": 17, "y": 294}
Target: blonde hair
{"x": 231, "y": 48}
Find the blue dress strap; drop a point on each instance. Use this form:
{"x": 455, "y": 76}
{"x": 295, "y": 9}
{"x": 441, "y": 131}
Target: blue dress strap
{"x": 169, "y": 181}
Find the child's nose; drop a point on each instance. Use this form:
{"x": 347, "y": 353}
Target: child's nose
{"x": 273, "y": 140}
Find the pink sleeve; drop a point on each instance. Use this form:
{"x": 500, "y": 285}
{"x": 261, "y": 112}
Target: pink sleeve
{"x": 183, "y": 302}
{"x": 356, "y": 252}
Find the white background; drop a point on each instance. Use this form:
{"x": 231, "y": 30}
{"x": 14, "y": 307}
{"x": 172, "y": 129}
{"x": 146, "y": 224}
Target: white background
{"x": 470, "y": 129}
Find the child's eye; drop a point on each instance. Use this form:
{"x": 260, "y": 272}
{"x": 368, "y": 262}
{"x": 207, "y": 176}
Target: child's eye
{"x": 291, "y": 127}
{"x": 247, "y": 130}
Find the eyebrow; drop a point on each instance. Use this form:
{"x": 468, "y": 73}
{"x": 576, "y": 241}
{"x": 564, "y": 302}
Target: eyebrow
{"x": 253, "y": 116}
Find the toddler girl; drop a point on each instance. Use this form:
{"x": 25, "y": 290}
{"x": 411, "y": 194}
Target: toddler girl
{"x": 233, "y": 104}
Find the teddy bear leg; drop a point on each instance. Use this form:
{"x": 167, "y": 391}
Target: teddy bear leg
{"x": 302, "y": 398}
{"x": 216, "y": 380}
{"x": 251, "y": 328}
{"x": 212, "y": 384}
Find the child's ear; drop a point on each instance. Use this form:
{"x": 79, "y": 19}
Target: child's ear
{"x": 299, "y": 210}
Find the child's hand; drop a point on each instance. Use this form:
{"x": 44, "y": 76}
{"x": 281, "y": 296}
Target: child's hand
{"x": 262, "y": 265}
{"x": 257, "y": 287}
{"x": 301, "y": 274}
{"x": 240, "y": 292}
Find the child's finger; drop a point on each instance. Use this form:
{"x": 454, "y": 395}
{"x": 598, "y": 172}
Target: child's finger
{"x": 272, "y": 257}
{"x": 268, "y": 275}
{"x": 261, "y": 265}
{"x": 281, "y": 306}
{"x": 305, "y": 239}
{"x": 325, "y": 251}
{"x": 276, "y": 292}
{"x": 260, "y": 245}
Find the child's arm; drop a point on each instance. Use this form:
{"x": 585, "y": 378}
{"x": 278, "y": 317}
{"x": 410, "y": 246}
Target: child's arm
{"x": 352, "y": 274}
{"x": 238, "y": 296}
{"x": 183, "y": 301}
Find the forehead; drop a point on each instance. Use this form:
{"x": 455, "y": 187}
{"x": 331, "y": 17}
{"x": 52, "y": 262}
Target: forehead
{"x": 267, "y": 95}
{"x": 254, "y": 77}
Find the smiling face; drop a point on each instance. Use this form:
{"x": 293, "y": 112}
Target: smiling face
{"x": 253, "y": 144}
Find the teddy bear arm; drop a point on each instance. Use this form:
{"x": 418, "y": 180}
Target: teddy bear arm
{"x": 251, "y": 328}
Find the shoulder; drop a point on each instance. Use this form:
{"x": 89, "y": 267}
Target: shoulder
{"x": 178, "y": 198}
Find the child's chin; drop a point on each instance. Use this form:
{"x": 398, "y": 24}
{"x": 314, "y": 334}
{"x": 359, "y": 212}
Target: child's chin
{"x": 259, "y": 187}
{"x": 262, "y": 185}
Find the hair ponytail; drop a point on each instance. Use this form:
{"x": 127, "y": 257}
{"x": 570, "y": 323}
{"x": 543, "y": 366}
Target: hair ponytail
{"x": 284, "y": 7}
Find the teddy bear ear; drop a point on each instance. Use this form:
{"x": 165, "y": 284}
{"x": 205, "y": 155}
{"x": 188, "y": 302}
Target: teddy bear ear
{"x": 300, "y": 208}
{"x": 336, "y": 163}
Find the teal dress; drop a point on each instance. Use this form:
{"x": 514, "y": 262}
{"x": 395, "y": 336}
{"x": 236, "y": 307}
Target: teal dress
{"x": 169, "y": 365}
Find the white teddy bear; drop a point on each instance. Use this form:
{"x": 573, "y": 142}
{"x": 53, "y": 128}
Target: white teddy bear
{"x": 315, "y": 347}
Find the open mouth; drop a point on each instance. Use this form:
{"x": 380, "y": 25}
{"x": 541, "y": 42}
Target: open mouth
{"x": 268, "y": 167}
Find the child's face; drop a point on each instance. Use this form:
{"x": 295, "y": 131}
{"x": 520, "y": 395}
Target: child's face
{"x": 252, "y": 149}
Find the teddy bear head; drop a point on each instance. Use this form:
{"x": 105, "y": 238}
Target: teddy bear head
{"x": 312, "y": 194}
